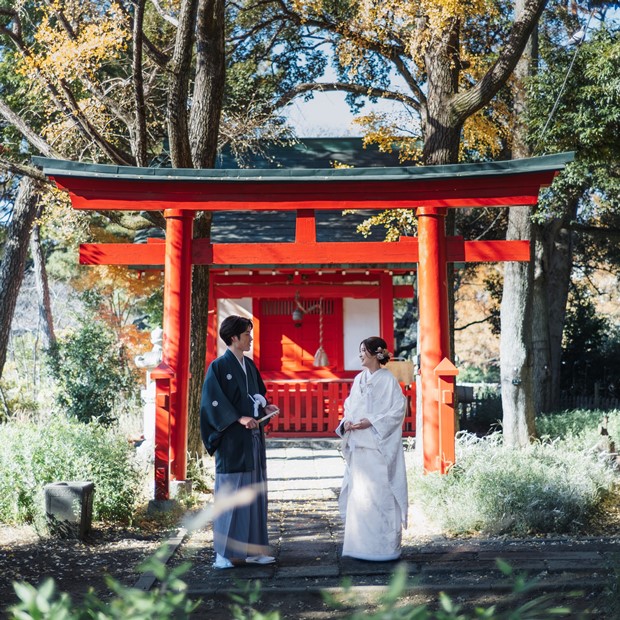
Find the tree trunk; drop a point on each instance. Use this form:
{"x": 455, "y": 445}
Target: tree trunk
{"x": 516, "y": 338}
{"x": 180, "y": 71}
{"x": 516, "y": 314}
{"x": 198, "y": 353}
{"x": 14, "y": 259}
{"x": 204, "y": 125}
{"x": 541, "y": 363}
{"x": 209, "y": 84}
{"x": 138, "y": 129}
{"x": 43, "y": 291}
{"x": 440, "y": 126}
{"x": 559, "y": 262}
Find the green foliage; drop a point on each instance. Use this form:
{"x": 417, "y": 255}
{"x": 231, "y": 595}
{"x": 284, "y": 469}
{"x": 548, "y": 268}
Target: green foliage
{"x": 24, "y": 387}
{"x": 550, "y": 487}
{"x": 405, "y": 323}
{"x": 243, "y": 604}
{"x": 168, "y": 601}
{"x": 201, "y": 472}
{"x": 90, "y": 373}
{"x": 57, "y": 449}
{"x": 579, "y": 429}
{"x": 581, "y": 86}
{"x": 391, "y": 606}
{"x": 171, "y": 601}
{"x": 477, "y": 374}
{"x": 153, "y": 308}
{"x": 590, "y": 348}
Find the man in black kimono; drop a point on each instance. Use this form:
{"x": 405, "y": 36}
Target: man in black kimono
{"x": 233, "y": 401}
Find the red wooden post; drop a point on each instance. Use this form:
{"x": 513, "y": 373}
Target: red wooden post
{"x": 177, "y": 312}
{"x": 409, "y": 429}
{"x": 163, "y": 376}
{"x": 386, "y": 309}
{"x": 212, "y": 326}
{"x": 445, "y": 374}
{"x": 434, "y": 342}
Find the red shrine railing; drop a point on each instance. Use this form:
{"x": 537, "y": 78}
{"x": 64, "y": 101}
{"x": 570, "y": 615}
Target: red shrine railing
{"x": 314, "y": 408}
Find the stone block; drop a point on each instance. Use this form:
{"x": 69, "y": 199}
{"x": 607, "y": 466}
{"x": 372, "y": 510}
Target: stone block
{"x": 69, "y": 508}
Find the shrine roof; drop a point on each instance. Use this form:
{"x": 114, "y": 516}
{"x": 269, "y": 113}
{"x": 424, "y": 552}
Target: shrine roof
{"x": 279, "y": 226}
{"x": 311, "y": 153}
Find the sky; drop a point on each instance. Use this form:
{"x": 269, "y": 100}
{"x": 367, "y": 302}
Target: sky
{"x": 328, "y": 114}
{"x": 325, "y": 115}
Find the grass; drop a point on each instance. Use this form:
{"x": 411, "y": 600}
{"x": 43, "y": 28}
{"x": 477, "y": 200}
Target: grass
{"x": 557, "y": 485}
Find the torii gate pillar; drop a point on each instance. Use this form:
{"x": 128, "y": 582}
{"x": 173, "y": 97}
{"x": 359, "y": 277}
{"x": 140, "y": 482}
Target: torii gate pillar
{"x": 434, "y": 336}
{"x": 176, "y": 349}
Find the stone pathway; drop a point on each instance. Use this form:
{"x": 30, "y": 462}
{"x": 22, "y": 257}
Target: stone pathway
{"x": 306, "y": 537}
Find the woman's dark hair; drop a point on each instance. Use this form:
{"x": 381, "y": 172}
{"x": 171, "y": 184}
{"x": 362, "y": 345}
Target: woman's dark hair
{"x": 234, "y": 326}
{"x": 378, "y": 347}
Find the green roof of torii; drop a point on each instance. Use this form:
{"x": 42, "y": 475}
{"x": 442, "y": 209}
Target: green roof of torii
{"x": 62, "y": 168}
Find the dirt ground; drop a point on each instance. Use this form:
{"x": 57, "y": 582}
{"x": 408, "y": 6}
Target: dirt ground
{"x": 78, "y": 566}
{"x": 75, "y": 565}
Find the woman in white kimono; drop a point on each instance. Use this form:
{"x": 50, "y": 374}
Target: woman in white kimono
{"x": 373, "y": 499}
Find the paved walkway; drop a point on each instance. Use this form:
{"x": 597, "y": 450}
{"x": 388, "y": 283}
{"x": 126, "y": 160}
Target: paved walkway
{"x": 306, "y": 536}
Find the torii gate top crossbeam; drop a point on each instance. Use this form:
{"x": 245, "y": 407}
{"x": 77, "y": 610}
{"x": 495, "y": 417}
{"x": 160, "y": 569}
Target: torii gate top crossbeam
{"x": 515, "y": 182}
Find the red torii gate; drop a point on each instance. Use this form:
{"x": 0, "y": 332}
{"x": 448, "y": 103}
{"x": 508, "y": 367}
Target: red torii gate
{"x": 179, "y": 193}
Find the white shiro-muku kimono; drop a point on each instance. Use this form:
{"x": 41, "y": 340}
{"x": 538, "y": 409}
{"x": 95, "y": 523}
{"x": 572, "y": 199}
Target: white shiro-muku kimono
{"x": 373, "y": 499}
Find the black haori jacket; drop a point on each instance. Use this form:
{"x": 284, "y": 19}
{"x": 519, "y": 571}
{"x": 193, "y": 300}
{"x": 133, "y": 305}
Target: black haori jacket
{"x": 224, "y": 400}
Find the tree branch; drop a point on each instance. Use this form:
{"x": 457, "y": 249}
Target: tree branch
{"x": 14, "y": 15}
{"x": 27, "y": 132}
{"x": 165, "y": 16}
{"x": 468, "y": 102}
{"x": 65, "y": 103}
{"x": 161, "y": 59}
{"x": 91, "y": 86}
{"x": 357, "y": 89}
{"x": 23, "y": 170}
{"x": 460, "y": 328}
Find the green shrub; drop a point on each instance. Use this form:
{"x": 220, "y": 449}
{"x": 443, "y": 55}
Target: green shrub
{"x": 476, "y": 374}
{"x": 58, "y": 449}
{"x": 168, "y": 601}
{"x": 579, "y": 426}
{"x": 201, "y": 471}
{"x": 89, "y": 373}
{"x": 547, "y": 488}
{"x": 525, "y": 605}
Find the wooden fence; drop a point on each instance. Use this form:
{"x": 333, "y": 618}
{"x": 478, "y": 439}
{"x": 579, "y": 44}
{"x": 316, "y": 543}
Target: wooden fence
{"x": 314, "y": 408}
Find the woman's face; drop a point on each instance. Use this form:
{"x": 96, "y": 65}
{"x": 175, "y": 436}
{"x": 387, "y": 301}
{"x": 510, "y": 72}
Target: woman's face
{"x": 368, "y": 359}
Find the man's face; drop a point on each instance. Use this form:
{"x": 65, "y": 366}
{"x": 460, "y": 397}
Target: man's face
{"x": 243, "y": 342}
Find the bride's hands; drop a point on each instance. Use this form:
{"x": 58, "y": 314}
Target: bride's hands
{"x": 362, "y": 424}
